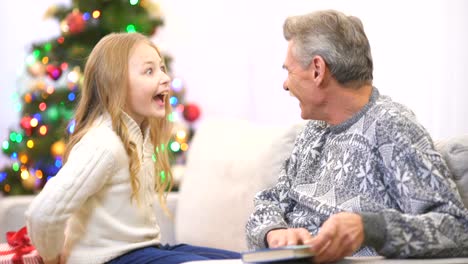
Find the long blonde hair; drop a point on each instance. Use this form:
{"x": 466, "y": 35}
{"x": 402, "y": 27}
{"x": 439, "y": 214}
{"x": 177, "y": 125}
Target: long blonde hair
{"x": 104, "y": 90}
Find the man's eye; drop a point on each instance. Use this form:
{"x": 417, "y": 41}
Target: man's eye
{"x": 149, "y": 71}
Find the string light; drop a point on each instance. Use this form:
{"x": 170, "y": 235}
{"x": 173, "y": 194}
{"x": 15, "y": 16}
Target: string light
{"x": 30, "y": 144}
{"x": 24, "y": 158}
{"x": 176, "y": 84}
{"x": 39, "y": 174}
{"x": 38, "y": 116}
{"x": 71, "y": 126}
{"x": 73, "y": 76}
{"x": 173, "y": 101}
{"x": 184, "y": 146}
{"x": 25, "y": 175}
{"x": 50, "y": 89}
{"x": 71, "y": 97}
{"x": 96, "y": 14}
{"x": 86, "y": 16}
{"x": 36, "y": 53}
{"x": 41, "y": 85}
{"x": 18, "y": 107}
{"x": 45, "y": 60}
{"x": 27, "y": 98}
{"x": 175, "y": 146}
{"x": 7, "y": 188}
{"x": 5, "y": 145}
{"x": 170, "y": 117}
{"x": 47, "y": 47}
{"x": 131, "y": 28}
{"x": 181, "y": 135}
{"x": 42, "y": 107}
{"x": 64, "y": 26}
{"x": 3, "y": 176}
{"x": 15, "y": 166}
{"x": 30, "y": 60}
{"x": 58, "y": 163}
{"x": 43, "y": 130}
{"x": 133, "y": 2}
{"x": 34, "y": 122}
{"x": 13, "y": 136}
{"x": 180, "y": 108}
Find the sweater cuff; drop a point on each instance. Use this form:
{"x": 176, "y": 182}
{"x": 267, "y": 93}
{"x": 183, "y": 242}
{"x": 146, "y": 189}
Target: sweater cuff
{"x": 374, "y": 230}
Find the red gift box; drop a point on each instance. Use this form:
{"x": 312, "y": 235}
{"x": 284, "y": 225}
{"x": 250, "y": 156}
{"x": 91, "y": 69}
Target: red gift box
{"x": 18, "y": 249}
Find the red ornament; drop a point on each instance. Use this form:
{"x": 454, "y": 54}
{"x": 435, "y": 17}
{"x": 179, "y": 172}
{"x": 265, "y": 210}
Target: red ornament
{"x": 26, "y": 122}
{"x": 191, "y": 112}
{"x": 75, "y": 22}
{"x": 54, "y": 72}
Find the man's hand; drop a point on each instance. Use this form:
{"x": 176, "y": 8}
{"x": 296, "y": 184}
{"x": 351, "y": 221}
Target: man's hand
{"x": 340, "y": 236}
{"x": 287, "y": 237}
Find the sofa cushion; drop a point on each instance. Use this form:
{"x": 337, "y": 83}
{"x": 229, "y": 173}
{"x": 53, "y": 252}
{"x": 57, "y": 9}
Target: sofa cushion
{"x": 228, "y": 163}
{"x": 455, "y": 152}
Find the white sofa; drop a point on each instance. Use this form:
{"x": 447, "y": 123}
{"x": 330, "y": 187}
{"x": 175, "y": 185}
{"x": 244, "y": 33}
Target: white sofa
{"x": 228, "y": 162}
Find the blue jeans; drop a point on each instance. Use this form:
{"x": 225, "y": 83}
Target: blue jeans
{"x": 165, "y": 254}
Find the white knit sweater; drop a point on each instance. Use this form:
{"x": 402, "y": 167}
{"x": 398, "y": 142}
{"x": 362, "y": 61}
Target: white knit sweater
{"x": 85, "y": 212}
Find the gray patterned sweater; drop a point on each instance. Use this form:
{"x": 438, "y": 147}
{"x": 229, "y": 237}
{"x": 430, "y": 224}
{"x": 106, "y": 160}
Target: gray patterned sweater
{"x": 381, "y": 164}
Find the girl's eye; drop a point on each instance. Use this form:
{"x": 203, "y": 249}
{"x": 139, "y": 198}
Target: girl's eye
{"x": 149, "y": 71}
{"x": 163, "y": 69}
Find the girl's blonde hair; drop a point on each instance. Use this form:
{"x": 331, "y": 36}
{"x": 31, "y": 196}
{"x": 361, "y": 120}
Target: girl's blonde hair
{"x": 104, "y": 90}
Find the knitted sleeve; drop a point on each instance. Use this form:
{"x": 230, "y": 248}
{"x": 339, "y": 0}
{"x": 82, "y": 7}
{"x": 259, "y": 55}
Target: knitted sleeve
{"x": 431, "y": 220}
{"x": 84, "y": 174}
{"x": 271, "y": 205}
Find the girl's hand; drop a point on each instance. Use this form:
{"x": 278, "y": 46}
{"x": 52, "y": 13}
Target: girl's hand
{"x": 56, "y": 260}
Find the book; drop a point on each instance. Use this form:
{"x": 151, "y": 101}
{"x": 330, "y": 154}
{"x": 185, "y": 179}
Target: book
{"x": 281, "y": 254}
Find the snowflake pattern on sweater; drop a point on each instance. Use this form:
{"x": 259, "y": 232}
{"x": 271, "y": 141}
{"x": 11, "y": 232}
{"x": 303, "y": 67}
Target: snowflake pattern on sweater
{"x": 381, "y": 164}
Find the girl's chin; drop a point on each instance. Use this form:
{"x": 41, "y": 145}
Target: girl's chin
{"x": 159, "y": 114}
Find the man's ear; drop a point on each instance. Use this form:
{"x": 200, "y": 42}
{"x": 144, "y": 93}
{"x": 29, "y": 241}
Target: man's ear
{"x": 318, "y": 66}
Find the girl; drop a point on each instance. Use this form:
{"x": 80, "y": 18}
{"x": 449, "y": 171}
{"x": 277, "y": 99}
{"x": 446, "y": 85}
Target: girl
{"x": 99, "y": 207}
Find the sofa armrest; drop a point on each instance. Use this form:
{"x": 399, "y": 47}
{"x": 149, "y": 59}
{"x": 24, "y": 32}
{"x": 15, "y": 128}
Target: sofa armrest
{"x": 166, "y": 223}
{"x": 12, "y": 210}
{"x": 12, "y": 218}
{"x": 455, "y": 152}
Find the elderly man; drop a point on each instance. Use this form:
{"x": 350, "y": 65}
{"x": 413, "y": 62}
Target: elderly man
{"x": 363, "y": 177}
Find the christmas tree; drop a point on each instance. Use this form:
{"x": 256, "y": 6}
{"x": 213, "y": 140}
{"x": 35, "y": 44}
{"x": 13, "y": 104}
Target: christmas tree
{"x": 51, "y": 85}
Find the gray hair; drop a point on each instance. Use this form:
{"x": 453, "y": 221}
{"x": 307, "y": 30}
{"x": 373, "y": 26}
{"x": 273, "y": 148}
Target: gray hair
{"x": 339, "y": 39}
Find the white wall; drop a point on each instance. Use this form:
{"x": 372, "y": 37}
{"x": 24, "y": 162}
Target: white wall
{"x": 230, "y": 52}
